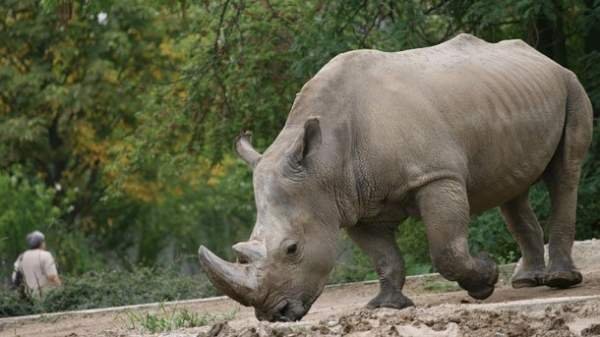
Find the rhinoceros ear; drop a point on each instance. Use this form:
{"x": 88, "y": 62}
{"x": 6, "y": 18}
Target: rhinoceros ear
{"x": 308, "y": 140}
{"x": 244, "y": 149}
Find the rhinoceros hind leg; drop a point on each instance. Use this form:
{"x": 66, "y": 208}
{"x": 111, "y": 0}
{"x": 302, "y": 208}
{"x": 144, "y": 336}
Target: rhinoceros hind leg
{"x": 563, "y": 279}
{"x": 444, "y": 207}
{"x": 561, "y": 271}
{"x": 562, "y": 178}
{"x": 379, "y": 243}
{"x": 525, "y": 228}
{"x": 562, "y": 184}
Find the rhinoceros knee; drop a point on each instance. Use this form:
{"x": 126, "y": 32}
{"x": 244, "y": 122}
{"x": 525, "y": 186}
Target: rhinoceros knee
{"x": 448, "y": 264}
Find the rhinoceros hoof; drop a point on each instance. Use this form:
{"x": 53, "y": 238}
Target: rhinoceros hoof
{"x": 390, "y": 300}
{"x": 483, "y": 293}
{"x": 528, "y": 279}
{"x": 482, "y": 288}
{"x": 563, "y": 279}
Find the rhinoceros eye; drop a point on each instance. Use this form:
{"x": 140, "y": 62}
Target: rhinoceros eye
{"x": 292, "y": 248}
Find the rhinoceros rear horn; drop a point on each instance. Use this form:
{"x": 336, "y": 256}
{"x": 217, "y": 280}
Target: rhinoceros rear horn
{"x": 249, "y": 251}
{"x": 244, "y": 149}
{"x": 237, "y": 281}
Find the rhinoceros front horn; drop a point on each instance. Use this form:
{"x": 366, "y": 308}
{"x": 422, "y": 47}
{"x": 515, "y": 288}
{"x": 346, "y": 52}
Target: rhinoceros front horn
{"x": 237, "y": 281}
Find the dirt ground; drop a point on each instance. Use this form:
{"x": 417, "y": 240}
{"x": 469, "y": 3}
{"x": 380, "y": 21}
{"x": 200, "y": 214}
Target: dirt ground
{"x": 441, "y": 310}
{"x": 447, "y": 320}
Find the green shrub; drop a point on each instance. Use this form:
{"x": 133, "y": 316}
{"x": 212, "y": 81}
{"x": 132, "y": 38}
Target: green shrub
{"x": 25, "y": 205}
{"x": 353, "y": 265}
{"x": 412, "y": 240}
{"x": 108, "y": 289}
{"x": 13, "y": 304}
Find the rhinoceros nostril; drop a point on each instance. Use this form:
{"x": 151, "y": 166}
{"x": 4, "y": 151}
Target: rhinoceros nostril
{"x": 283, "y": 311}
{"x": 279, "y": 314}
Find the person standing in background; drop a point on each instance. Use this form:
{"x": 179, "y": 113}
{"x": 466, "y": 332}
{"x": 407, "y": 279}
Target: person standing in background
{"x": 36, "y": 266}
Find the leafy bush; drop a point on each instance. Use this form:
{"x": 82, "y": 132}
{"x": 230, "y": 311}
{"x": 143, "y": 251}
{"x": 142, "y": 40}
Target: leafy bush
{"x": 353, "y": 265}
{"x": 25, "y": 205}
{"x": 588, "y": 203}
{"x": 412, "y": 240}
{"x": 12, "y": 304}
{"x": 107, "y": 289}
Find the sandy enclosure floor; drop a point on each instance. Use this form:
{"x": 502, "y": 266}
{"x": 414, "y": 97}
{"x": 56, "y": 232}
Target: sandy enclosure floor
{"x": 441, "y": 310}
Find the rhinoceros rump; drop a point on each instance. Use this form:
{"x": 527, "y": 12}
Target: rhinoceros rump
{"x": 437, "y": 133}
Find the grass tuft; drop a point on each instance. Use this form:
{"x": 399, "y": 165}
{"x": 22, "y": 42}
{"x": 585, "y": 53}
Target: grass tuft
{"x": 165, "y": 319}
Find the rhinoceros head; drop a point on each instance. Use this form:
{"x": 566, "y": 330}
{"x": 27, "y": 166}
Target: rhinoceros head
{"x": 283, "y": 268}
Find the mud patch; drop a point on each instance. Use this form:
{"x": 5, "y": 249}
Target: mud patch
{"x": 445, "y": 320}
{"x": 592, "y": 330}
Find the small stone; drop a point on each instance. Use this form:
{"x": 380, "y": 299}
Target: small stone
{"x": 557, "y": 324}
{"x": 592, "y": 330}
{"x": 216, "y": 329}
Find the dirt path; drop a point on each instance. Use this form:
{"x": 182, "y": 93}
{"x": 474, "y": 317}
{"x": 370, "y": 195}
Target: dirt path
{"x": 342, "y": 301}
{"x": 441, "y": 310}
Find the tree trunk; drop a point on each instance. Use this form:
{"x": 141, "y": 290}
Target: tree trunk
{"x": 592, "y": 34}
{"x": 548, "y": 36}
{"x": 591, "y": 39}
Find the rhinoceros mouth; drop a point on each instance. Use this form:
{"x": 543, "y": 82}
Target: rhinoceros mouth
{"x": 284, "y": 311}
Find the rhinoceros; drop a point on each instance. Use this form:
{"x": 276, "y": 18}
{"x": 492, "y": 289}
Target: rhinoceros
{"x": 439, "y": 134}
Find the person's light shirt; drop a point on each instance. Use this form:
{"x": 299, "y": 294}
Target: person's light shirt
{"x": 38, "y": 266}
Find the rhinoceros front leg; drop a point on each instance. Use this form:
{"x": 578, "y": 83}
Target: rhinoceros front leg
{"x": 525, "y": 228}
{"x": 444, "y": 208}
{"x": 379, "y": 243}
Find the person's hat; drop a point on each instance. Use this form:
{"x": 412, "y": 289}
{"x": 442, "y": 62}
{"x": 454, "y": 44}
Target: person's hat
{"x": 34, "y": 239}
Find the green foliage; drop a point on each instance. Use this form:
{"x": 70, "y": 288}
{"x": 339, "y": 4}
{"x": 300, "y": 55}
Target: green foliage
{"x": 488, "y": 233}
{"x": 210, "y": 206}
{"x": 412, "y": 240}
{"x": 352, "y": 264}
{"x": 24, "y": 206}
{"x": 588, "y": 204}
{"x": 27, "y": 204}
{"x": 64, "y": 75}
{"x": 440, "y": 286}
{"x": 108, "y": 288}
{"x": 12, "y": 304}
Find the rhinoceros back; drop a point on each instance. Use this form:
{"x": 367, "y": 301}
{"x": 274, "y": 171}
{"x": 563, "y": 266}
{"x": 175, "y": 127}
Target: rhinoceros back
{"x": 490, "y": 114}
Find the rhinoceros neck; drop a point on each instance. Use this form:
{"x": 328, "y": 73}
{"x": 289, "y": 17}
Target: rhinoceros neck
{"x": 331, "y": 97}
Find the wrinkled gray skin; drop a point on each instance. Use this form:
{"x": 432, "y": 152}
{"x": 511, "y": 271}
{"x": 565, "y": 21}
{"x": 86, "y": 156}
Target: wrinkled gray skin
{"x": 437, "y": 133}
